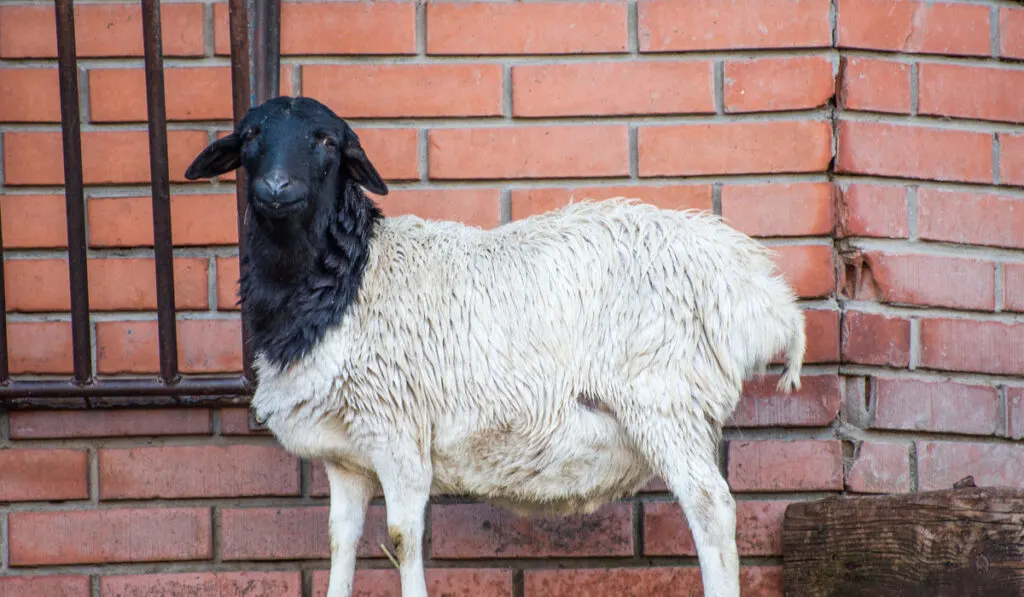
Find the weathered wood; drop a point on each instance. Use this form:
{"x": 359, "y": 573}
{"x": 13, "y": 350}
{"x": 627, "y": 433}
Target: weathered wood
{"x": 965, "y": 542}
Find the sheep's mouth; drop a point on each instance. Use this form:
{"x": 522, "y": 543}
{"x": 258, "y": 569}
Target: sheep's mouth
{"x": 275, "y": 209}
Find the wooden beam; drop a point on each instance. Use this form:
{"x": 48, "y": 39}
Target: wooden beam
{"x": 966, "y": 542}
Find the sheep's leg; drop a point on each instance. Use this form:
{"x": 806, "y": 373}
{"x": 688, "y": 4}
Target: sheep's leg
{"x": 406, "y": 485}
{"x": 685, "y": 459}
{"x": 350, "y": 496}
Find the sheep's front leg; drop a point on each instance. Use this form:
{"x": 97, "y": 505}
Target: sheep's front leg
{"x": 350, "y": 496}
{"x": 406, "y": 482}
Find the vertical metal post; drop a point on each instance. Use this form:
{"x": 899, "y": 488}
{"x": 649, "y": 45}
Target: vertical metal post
{"x": 158, "y": 172}
{"x": 5, "y": 372}
{"x": 71, "y": 122}
{"x": 239, "y": 30}
{"x": 267, "y": 50}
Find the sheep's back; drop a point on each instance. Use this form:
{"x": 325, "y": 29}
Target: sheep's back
{"x": 582, "y": 299}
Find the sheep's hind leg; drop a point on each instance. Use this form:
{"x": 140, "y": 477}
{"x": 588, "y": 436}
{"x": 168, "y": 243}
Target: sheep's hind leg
{"x": 350, "y": 496}
{"x": 685, "y": 459}
{"x": 406, "y": 484}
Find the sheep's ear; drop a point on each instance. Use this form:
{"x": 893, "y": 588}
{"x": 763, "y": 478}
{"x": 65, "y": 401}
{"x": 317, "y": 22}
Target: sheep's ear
{"x": 219, "y": 157}
{"x": 362, "y": 171}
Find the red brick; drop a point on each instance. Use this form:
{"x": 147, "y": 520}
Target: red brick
{"x": 874, "y": 85}
{"x": 809, "y": 269}
{"x": 109, "y": 536}
{"x": 33, "y": 221}
{"x": 873, "y": 339}
{"x": 816, "y": 404}
{"x": 227, "y": 284}
{"x": 100, "y": 30}
{"x": 612, "y": 88}
{"x": 468, "y": 531}
{"x": 776, "y": 465}
{"x": 203, "y": 93}
{"x": 406, "y": 90}
{"x": 872, "y": 210}
{"x": 529, "y": 152}
{"x": 108, "y": 157}
{"x": 914, "y": 152}
{"x": 1011, "y": 32}
{"x": 1013, "y": 287}
{"x": 755, "y": 581}
{"x": 473, "y": 207}
{"x": 940, "y": 464}
{"x": 292, "y": 533}
{"x": 318, "y": 28}
{"x": 196, "y": 472}
{"x": 446, "y": 582}
{"x": 528, "y": 202}
{"x": 394, "y": 152}
{"x": 1011, "y": 159}
{"x": 970, "y": 92}
{"x": 40, "y": 346}
{"x": 109, "y": 423}
{"x": 966, "y": 345}
{"x": 668, "y": 25}
{"x": 971, "y": 218}
{"x": 735, "y": 148}
{"x": 127, "y": 284}
{"x": 822, "y": 330}
{"x": 37, "y": 475}
{"x": 770, "y": 84}
{"x": 880, "y": 468}
{"x": 44, "y": 586}
{"x": 758, "y": 529}
{"x": 943, "y": 407}
{"x": 196, "y": 220}
{"x": 764, "y": 210}
{"x": 1015, "y": 412}
{"x": 204, "y": 346}
{"x": 915, "y": 27}
{"x": 235, "y": 421}
{"x": 204, "y": 584}
{"x": 926, "y": 280}
{"x": 29, "y": 95}
{"x": 483, "y": 28}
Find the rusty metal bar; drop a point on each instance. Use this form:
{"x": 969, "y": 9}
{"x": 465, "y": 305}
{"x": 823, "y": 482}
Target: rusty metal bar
{"x": 5, "y": 371}
{"x": 186, "y": 386}
{"x": 161, "y": 190}
{"x": 267, "y": 50}
{"x": 241, "y": 101}
{"x": 71, "y": 124}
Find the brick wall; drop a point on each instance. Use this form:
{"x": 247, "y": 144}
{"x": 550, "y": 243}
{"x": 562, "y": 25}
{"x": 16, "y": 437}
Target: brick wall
{"x": 877, "y": 145}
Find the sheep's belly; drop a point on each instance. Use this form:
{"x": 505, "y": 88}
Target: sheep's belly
{"x": 560, "y": 467}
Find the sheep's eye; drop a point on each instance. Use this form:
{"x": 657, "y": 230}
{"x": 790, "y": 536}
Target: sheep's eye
{"x": 329, "y": 142}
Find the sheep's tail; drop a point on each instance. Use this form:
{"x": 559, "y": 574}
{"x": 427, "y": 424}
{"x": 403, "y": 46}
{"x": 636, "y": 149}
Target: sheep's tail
{"x": 790, "y": 380}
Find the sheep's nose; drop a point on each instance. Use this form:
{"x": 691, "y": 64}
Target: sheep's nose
{"x": 276, "y": 182}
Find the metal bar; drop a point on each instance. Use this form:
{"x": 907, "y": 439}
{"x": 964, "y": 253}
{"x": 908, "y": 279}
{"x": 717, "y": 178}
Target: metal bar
{"x": 267, "y": 51}
{"x": 158, "y": 173}
{"x": 186, "y": 386}
{"x": 73, "y": 189}
{"x": 239, "y": 31}
{"x": 206, "y": 401}
{"x": 5, "y": 371}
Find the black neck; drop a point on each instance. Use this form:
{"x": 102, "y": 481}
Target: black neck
{"x": 301, "y": 277}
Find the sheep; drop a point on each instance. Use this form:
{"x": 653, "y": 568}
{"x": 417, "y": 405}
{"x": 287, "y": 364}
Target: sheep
{"x": 548, "y": 365}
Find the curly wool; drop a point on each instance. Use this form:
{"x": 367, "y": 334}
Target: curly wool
{"x": 510, "y": 356}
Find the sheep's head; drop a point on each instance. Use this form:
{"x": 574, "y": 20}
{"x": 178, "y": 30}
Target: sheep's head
{"x": 297, "y": 155}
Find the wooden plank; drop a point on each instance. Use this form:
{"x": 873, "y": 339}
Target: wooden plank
{"x": 966, "y": 542}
